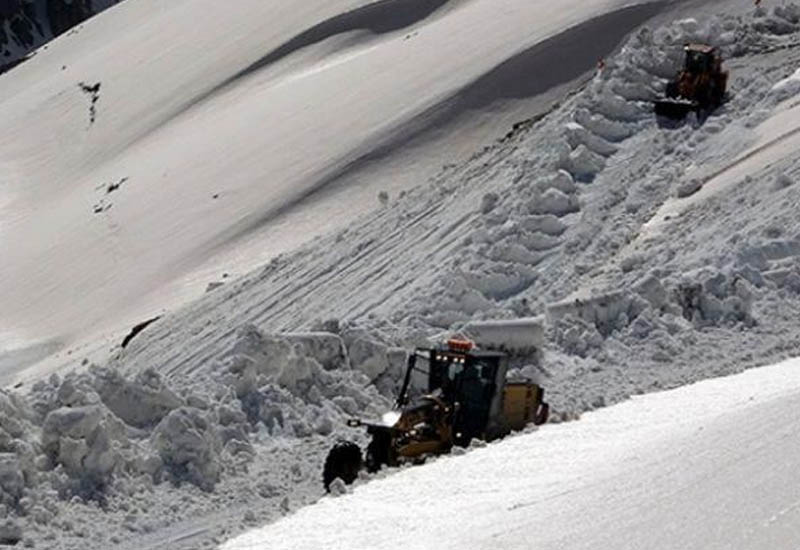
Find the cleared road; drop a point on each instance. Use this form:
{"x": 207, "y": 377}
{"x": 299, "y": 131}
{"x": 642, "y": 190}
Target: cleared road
{"x": 707, "y": 466}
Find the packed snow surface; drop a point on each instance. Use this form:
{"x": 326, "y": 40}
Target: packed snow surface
{"x": 697, "y": 467}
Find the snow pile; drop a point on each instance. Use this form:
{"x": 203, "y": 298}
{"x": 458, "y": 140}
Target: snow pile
{"x": 787, "y": 88}
{"x": 522, "y": 228}
{"x": 704, "y": 298}
{"x": 297, "y": 384}
{"x": 97, "y": 435}
{"x": 189, "y": 447}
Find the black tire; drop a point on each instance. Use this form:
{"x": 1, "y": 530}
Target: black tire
{"x": 378, "y": 452}
{"x": 672, "y": 90}
{"x": 718, "y": 96}
{"x": 343, "y": 461}
{"x": 542, "y": 414}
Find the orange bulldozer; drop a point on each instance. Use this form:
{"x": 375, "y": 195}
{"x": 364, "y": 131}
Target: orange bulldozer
{"x": 701, "y": 85}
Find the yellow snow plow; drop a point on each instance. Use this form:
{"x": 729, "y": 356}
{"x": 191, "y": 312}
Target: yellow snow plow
{"x": 700, "y": 86}
{"x": 467, "y": 397}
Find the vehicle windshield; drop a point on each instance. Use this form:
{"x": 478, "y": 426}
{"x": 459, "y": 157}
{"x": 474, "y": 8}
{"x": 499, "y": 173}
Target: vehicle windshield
{"x": 696, "y": 62}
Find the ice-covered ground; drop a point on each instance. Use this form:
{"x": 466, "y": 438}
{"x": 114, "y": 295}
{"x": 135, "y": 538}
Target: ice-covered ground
{"x": 660, "y": 254}
{"x": 711, "y": 465}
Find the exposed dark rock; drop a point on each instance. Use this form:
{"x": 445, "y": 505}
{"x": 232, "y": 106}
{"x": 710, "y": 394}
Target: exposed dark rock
{"x": 137, "y": 329}
{"x": 28, "y": 24}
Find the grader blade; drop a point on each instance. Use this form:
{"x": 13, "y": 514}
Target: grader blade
{"x": 674, "y": 109}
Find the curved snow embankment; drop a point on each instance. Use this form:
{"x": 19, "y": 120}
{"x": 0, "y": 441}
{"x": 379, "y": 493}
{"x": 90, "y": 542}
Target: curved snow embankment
{"x": 657, "y": 471}
{"x": 145, "y": 205}
{"x": 516, "y": 228}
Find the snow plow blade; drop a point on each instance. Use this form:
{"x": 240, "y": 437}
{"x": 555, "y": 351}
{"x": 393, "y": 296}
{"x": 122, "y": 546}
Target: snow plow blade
{"x": 508, "y": 335}
{"x": 674, "y": 109}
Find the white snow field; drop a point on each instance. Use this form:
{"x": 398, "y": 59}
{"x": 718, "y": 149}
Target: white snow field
{"x": 213, "y": 121}
{"x": 659, "y": 254}
{"x": 712, "y": 465}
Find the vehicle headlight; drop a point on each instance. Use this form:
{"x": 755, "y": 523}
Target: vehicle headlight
{"x": 390, "y": 418}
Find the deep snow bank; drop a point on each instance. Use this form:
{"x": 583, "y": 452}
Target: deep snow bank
{"x": 94, "y": 437}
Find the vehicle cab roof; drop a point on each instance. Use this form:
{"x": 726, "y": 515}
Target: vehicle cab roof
{"x": 477, "y": 353}
{"x": 700, "y": 48}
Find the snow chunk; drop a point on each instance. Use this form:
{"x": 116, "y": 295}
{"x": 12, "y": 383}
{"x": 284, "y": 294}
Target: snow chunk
{"x": 584, "y": 164}
{"x": 255, "y": 357}
{"x": 689, "y": 188}
{"x": 10, "y": 532}
{"x": 366, "y": 354}
{"x": 338, "y": 488}
{"x": 189, "y": 448}
{"x": 782, "y": 180}
{"x": 324, "y": 347}
{"x": 488, "y": 202}
{"x": 578, "y": 135}
{"x": 12, "y": 482}
{"x": 80, "y": 439}
{"x": 602, "y": 310}
{"x": 499, "y": 280}
{"x": 561, "y": 180}
{"x": 142, "y": 402}
{"x": 554, "y": 202}
{"x": 509, "y": 251}
{"x": 610, "y": 130}
{"x": 789, "y": 86}
{"x": 548, "y": 224}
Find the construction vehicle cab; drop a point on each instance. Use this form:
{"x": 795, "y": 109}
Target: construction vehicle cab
{"x": 464, "y": 396}
{"x": 700, "y": 86}
{"x": 467, "y": 378}
{"x": 700, "y": 58}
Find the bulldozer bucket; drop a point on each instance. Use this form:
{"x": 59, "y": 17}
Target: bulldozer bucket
{"x": 674, "y": 109}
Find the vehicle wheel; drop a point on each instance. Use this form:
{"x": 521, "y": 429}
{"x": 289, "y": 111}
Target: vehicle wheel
{"x": 718, "y": 97}
{"x": 344, "y": 462}
{"x": 378, "y": 452}
{"x": 672, "y": 89}
{"x": 542, "y": 414}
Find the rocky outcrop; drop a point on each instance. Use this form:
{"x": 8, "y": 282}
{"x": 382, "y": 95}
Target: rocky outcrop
{"x": 27, "y": 24}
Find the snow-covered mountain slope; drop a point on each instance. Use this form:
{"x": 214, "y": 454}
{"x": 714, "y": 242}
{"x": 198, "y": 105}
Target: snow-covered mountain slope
{"x": 710, "y": 465}
{"x": 568, "y": 209}
{"x": 198, "y": 156}
{"x": 27, "y": 24}
{"x": 595, "y": 214}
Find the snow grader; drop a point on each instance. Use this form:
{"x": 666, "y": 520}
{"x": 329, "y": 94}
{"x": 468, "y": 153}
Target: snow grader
{"x": 700, "y": 86}
{"x": 466, "y": 396}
